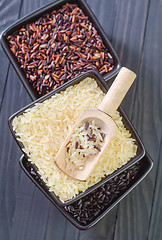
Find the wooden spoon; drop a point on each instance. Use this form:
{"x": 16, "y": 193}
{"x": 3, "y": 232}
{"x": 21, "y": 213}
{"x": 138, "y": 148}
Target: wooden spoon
{"x": 103, "y": 119}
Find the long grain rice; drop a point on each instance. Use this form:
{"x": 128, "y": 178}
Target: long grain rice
{"x": 43, "y": 128}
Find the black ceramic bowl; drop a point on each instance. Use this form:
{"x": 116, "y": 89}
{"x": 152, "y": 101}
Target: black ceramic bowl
{"x": 102, "y": 84}
{"x": 86, "y": 212}
{"x": 36, "y": 15}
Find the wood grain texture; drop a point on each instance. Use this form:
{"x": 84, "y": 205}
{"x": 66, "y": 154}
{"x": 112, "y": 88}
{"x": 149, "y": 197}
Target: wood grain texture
{"x": 155, "y": 224}
{"x": 128, "y": 38}
{"x": 133, "y": 27}
{"x": 6, "y": 6}
{"x": 147, "y": 119}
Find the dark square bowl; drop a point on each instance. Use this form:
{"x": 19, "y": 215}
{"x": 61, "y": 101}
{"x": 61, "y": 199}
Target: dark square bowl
{"x": 90, "y": 209}
{"x": 102, "y": 84}
{"x": 33, "y": 92}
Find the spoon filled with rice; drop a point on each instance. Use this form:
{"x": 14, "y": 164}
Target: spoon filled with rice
{"x": 93, "y": 131}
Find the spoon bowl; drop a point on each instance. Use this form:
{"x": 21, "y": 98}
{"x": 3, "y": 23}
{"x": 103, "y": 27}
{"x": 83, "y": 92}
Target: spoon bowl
{"x": 109, "y": 127}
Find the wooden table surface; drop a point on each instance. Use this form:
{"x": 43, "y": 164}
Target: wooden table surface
{"x": 135, "y": 30}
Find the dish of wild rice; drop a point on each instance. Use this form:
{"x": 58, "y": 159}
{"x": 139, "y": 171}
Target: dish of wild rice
{"x": 43, "y": 128}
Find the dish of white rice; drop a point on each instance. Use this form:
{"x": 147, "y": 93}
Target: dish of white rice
{"x": 43, "y": 127}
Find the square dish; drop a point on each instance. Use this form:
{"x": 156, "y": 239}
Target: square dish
{"x": 40, "y": 61}
{"x": 96, "y": 205}
{"x": 103, "y": 86}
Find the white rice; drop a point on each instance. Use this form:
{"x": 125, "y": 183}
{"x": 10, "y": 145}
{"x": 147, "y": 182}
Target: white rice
{"x": 43, "y": 128}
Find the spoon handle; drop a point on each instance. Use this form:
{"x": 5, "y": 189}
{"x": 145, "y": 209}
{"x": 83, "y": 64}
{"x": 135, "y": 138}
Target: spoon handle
{"x": 117, "y": 91}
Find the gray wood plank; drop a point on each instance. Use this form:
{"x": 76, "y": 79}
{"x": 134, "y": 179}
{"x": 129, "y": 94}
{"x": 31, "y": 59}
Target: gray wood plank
{"x": 127, "y": 39}
{"x": 150, "y": 112}
{"x": 31, "y": 212}
{"x": 57, "y": 227}
{"x": 9, "y": 12}
{"x": 155, "y": 226}
{"x": 4, "y": 63}
{"x": 70, "y": 232}
{"x": 10, "y": 153}
{"x": 135, "y": 214}
{"x": 6, "y": 6}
